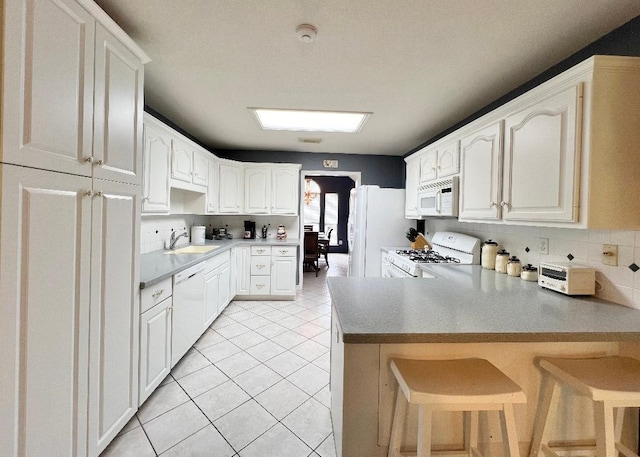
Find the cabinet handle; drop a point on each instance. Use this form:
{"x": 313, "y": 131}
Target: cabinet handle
{"x": 89, "y": 159}
{"x": 493, "y": 204}
{"x": 100, "y": 163}
{"x": 283, "y": 251}
{"x": 259, "y": 286}
{"x": 260, "y": 251}
{"x": 88, "y": 193}
{"x": 157, "y": 293}
{"x": 260, "y": 267}
{"x": 504, "y": 204}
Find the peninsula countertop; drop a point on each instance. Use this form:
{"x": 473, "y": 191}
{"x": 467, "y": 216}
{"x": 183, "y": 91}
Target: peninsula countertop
{"x": 158, "y": 265}
{"x": 467, "y": 304}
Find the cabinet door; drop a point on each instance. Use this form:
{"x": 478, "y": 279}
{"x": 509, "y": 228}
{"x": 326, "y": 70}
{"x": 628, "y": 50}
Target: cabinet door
{"x": 200, "y": 168}
{"x": 448, "y": 159}
{"x": 156, "y": 164}
{"x": 257, "y": 190}
{"x": 224, "y": 296}
{"x": 212, "y": 187}
{"x": 428, "y": 166}
{"x": 44, "y": 296}
{"x": 285, "y": 196}
{"x": 243, "y": 270}
{"x": 233, "y": 275}
{"x": 115, "y": 313}
{"x": 411, "y": 186}
{"x": 231, "y": 185}
{"x": 481, "y": 174}
{"x": 117, "y": 142}
{"x": 155, "y": 347}
{"x": 540, "y": 160}
{"x": 211, "y": 296}
{"x": 283, "y": 276}
{"x": 181, "y": 161}
{"x": 48, "y": 94}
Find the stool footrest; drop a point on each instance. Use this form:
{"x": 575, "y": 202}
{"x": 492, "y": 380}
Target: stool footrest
{"x": 473, "y": 452}
{"x": 581, "y": 449}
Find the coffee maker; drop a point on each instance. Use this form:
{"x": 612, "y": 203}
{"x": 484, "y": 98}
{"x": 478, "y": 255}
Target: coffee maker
{"x": 249, "y": 230}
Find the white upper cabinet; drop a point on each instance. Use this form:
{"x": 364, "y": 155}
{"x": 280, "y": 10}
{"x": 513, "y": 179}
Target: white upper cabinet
{"x": 189, "y": 165}
{"x": 117, "y": 141}
{"x": 156, "y": 165}
{"x": 411, "y": 185}
{"x": 285, "y": 194}
{"x": 439, "y": 161}
{"x": 231, "y": 188}
{"x": 540, "y": 159}
{"x": 73, "y": 100}
{"x": 48, "y": 102}
{"x": 213, "y": 187}
{"x": 257, "y": 190}
{"x": 481, "y": 173}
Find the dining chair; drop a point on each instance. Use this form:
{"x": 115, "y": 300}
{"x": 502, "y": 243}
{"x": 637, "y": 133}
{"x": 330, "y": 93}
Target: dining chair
{"x": 323, "y": 247}
{"x": 311, "y": 250}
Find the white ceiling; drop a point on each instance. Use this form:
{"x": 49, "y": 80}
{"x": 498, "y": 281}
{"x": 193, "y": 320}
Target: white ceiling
{"x": 419, "y": 66}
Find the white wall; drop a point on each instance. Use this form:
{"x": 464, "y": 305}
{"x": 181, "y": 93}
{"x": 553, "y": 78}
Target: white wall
{"x": 618, "y": 284}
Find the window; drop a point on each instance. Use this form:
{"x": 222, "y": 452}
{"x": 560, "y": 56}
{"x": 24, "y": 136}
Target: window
{"x": 331, "y": 217}
{"x": 312, "y": 204}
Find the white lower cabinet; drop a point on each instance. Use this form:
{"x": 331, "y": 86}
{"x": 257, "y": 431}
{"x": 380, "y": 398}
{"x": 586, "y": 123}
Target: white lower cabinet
{"x": 217, "y": 279}
{"x": 155, "y": 347}
{"x": 243, "y": 272}
{"x": 260, "y": 268}
{"x": 283, "y": 270}
{"x": 72, "y": 308}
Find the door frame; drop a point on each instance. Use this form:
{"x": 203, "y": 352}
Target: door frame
{"x": 357, "y": 179}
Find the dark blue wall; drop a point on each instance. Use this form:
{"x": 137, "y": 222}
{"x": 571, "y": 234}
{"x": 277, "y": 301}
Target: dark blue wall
{"x": 623, "y": 41}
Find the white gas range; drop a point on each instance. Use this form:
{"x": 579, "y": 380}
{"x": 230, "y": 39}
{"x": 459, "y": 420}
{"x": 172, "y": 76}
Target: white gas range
{"x": 447, "y": 247}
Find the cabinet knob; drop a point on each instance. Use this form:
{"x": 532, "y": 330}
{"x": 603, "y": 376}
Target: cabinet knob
{"x": 100, "y": 163}
{"x": 89, "y": 159}
{"x": 98, "y": 194}
{"x": 88, "y": 193}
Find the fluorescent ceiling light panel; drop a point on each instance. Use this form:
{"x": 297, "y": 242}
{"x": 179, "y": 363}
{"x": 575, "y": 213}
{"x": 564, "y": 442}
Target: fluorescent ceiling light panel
{"x": 310, "y": 121}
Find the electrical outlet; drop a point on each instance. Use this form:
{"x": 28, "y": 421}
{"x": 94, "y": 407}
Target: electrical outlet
{"x": 610, "y": 255}
{"x": 543, "y": 246}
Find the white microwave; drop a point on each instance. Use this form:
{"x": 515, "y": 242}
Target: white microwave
{"x": 439, "y": 198}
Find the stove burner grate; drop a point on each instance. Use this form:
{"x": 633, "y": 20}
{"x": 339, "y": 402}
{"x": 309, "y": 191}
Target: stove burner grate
{"x": 426, "y": 256}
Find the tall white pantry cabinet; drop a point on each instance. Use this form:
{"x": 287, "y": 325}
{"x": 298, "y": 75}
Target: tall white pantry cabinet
{"x": 70, "y": 176}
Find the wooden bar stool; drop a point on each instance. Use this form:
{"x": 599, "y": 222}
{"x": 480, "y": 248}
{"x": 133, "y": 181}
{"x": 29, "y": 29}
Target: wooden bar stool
{"x": 610, "y": 382}
{"x": 468, "y": 385}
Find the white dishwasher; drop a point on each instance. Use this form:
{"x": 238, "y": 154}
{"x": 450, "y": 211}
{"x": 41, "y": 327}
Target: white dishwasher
{"x": 188, "y": 310}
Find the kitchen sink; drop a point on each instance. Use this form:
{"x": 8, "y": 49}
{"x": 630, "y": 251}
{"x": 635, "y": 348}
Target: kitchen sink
{"x": 193, "y": 250}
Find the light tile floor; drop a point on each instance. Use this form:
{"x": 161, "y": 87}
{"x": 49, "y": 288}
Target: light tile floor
{"x": 256, "y": 384}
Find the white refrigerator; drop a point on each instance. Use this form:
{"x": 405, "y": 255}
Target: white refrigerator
{"x": 376, "y": 219}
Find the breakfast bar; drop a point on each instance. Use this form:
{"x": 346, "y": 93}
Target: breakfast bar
{"x": 463, "y": 311}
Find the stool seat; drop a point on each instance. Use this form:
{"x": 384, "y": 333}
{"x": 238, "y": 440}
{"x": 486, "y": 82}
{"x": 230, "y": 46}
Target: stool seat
{"x": 612, "y": 383}
{"x": 602, "y": 378}
{"x": 467, "y": 385}
{"x": 455, "y": 381}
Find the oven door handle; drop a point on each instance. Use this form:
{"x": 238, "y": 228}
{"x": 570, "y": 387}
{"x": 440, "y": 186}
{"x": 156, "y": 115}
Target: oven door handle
{"x": 438, "y": 201}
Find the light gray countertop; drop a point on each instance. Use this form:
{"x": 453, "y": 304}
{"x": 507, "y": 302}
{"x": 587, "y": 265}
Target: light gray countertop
{"x": 466, "y": 303}
{"x": 158, "y": 265}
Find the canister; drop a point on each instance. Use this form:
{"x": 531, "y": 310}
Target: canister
{"x": 529, "y": 273}
{"x": 502, "y": 257}
{"x": 514, "y": 267}
{"x": 197, "y": 234}
{"x": 489, "y": 251}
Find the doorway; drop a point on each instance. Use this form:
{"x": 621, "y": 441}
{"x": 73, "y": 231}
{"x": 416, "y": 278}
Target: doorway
{"x": 325, "y": 205}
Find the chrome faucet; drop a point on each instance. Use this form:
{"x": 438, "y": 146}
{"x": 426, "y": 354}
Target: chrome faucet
{"x": 174, "y": 239}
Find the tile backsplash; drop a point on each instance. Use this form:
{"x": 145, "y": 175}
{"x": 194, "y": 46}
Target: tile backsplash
{"x": 619, "y": 284}
{"x": 154, "y": 230}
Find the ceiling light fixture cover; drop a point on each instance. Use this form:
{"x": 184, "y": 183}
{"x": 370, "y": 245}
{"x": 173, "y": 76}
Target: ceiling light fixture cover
{"x": 306, "y": 33}
{"x": 310, "y": 120}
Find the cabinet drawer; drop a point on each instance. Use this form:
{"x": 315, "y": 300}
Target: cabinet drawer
{"x": 151, "y": 296}
{"x": 260, "y": 285}
{"x": 260, "y": 250}
{"x": 260, "y": 265}
{"x": 283, "y": 251}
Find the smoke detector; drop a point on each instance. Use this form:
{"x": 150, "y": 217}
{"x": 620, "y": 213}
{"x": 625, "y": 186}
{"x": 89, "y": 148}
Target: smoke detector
{"x": 306, "y": 33}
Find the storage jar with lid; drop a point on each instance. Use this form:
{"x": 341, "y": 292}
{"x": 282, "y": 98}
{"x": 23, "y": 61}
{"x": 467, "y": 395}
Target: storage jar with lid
{"x": 529, "y": 273}
{"x": 514, "y": 267}
{"x": 489, "y": 251}
{"x": 197, "y": 234}
{"x": 502, "y": 257}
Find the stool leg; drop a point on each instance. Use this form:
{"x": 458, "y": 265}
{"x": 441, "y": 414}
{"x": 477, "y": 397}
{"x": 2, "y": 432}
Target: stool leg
{"x": 603, "y": 416}
{"x": 545, "y": 416}
{"x": 397, "y": 426}
{"x": 425, "y": 415}
{"x": 509, "y": 435}
{"x": 471, "y": 430}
